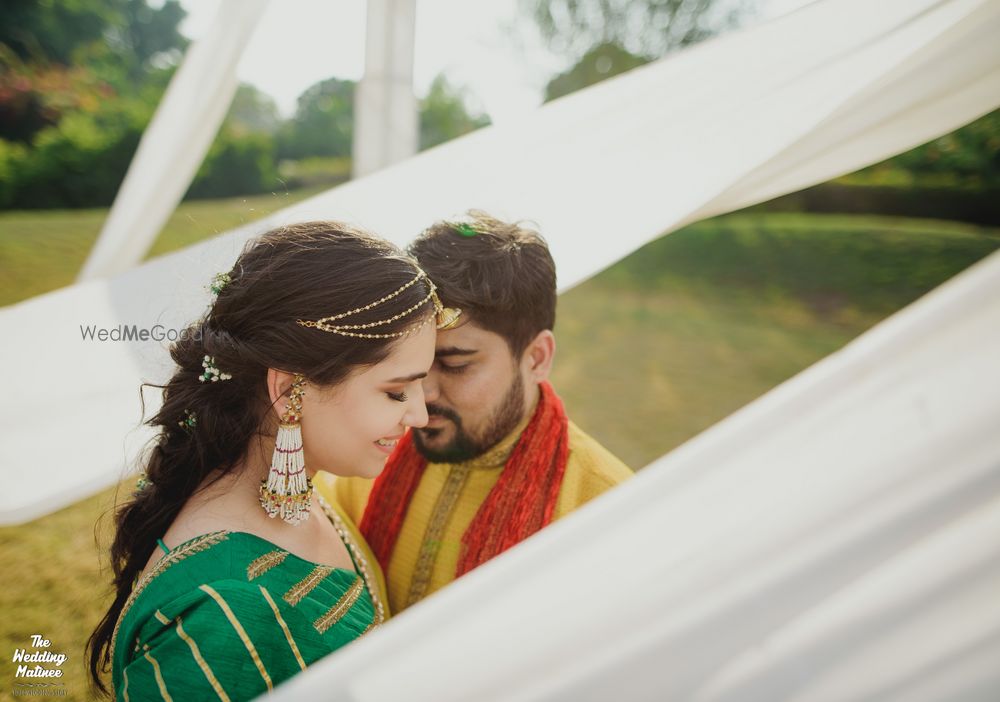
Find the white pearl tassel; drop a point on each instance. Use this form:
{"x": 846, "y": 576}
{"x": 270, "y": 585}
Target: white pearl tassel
{"x": 287, "y": 490}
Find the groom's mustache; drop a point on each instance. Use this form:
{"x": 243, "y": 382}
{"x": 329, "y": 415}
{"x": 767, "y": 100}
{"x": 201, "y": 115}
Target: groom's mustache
{"x": 444, "y": 412}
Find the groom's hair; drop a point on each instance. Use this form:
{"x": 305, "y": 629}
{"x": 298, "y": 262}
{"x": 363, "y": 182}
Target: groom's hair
{"x": 500, "y": 274}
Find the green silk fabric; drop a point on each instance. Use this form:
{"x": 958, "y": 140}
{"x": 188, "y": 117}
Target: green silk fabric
{"x": 230, "y": 615}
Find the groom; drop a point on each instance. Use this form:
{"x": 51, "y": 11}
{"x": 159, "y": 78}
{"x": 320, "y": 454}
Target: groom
{"x": 498, "y": 459}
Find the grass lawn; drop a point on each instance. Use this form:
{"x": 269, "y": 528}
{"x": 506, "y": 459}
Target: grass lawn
{"x": 694, "y": 325}
{"x": 651, "y": 351}
{"x": 42, "y": 250}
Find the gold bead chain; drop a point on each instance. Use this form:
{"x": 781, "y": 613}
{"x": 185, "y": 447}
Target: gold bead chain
{"x": 442, "y": 314}
{"x": 377, "y": 302}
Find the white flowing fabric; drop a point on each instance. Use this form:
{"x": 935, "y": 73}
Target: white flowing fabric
{"x": 730, "y": 122}
{"x": 176, "y": 140}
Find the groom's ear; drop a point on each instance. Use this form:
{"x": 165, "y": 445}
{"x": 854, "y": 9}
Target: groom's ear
{"x": 538, "y": 356}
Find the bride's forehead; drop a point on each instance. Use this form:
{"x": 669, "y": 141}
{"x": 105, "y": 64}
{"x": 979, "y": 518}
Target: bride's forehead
{"x": 408, "y": 356}
{"x": 408, "y": 353}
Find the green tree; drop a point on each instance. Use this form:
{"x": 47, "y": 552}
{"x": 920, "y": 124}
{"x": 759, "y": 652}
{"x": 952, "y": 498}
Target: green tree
{"x": 649, "y": 28}
{"x": 59, "y": 57}
{"x": 49, "y": 31}
{"x": 967, "y": 156}
{"x": 237, "y": 164}
{"x": 444, "y": 115}
{"x": 601, "y": 62}
{"x": 79, "y": 80}
{"x": 147, "y": 37}
{"x": 243, "y": 158}
{"x": 323, "y": 124}
{"x": 253, "y": 111}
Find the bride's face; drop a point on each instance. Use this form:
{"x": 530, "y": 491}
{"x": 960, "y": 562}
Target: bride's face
{"x": 351, "y": 428}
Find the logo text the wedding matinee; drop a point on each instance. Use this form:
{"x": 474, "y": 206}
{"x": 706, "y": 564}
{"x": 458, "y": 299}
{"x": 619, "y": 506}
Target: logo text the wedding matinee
{"x": 38, "y": 657}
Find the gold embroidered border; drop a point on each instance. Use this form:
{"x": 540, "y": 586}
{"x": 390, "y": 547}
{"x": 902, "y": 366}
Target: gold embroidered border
{"x": 159, "y": 678}
{"x": 251, "y": 649}
{"x": 443, "y": 508}
{"x": 160, "y": 617}
{"x": 284, "y": 627}
{"x": 307, "y": 584}
{"x": 371, "y": 625}
{"x": 202, "y": 663}
{"x": 371, "y": 582}
{"x": 337, "y": 612}
{"x": 199, "y": 543}
{"x": 125, "y": 691}
{"x": 264, "y": 563}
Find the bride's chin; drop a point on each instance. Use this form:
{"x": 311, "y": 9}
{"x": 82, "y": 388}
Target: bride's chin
{"x": 376, "y": 470}
{"x": 368, "y": 471}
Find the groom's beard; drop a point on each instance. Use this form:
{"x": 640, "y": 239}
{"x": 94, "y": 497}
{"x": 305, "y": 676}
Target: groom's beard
{"x": 465, "y": 445}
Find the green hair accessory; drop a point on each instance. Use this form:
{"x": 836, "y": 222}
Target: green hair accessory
{"x": 141, "y": 483}
{"x": 465, "y": 229}
{"x": 220, "y": 281}
{"x": 190, "y": 420}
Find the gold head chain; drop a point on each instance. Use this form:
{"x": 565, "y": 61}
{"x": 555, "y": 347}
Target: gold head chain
{"x": 445, "y": 317}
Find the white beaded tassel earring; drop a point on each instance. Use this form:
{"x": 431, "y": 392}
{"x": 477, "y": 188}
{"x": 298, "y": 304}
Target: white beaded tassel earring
{"x": 287, "y": 490}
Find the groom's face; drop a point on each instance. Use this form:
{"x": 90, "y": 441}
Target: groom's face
{"x": 475, "y": 394}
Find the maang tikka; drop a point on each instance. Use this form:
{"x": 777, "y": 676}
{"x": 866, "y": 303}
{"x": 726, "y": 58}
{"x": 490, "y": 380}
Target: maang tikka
{"x": 287, "y": 490}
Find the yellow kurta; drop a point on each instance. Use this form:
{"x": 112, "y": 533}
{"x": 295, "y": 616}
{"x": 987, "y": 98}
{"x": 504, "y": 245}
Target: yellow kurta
{"x": 449, "y": 496}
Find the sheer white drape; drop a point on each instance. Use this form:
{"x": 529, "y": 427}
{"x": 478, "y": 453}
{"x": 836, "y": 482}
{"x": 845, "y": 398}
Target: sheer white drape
{"x": 835, "y": 540}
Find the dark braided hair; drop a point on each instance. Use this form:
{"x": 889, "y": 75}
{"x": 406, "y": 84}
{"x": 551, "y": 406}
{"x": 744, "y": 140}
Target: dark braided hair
{"x": 306, "y": 271}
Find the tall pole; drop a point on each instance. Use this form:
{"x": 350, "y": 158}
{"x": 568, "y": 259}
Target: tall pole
{"x": 386, "y": 125}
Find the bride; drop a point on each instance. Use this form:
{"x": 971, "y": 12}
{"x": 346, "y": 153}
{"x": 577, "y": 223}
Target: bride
{"x": 230, "y": 573}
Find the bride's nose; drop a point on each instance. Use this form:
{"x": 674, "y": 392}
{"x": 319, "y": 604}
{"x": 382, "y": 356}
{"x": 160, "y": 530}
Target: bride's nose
{"x": 416, "y": 410}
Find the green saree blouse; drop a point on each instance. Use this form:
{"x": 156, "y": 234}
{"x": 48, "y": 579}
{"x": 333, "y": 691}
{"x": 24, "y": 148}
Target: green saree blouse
{"x": 229, "y": 615}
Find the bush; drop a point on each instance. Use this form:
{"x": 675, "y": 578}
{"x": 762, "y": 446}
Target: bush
{"x": 12, "y": 157}
{"x": 82, "y": 161}
{"x": 323, "y": 124}
{"x": 237, "y": 164}
{"x": 978, "y": 205}
{"x": 79, "y": 162}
